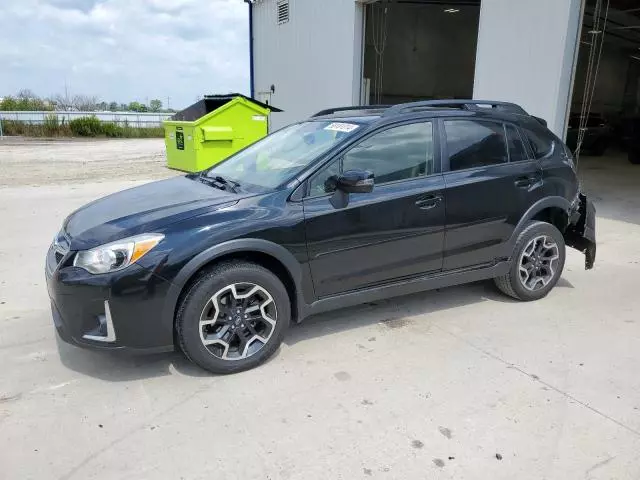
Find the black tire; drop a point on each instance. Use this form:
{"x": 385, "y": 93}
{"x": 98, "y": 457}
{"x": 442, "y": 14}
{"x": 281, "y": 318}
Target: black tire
{"x": 199, "y": 295}
{"x": 634, "y": 156}
{"x": 511, "y": 283}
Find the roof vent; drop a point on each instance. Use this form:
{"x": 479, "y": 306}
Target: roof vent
{"x": 283, "y": 12}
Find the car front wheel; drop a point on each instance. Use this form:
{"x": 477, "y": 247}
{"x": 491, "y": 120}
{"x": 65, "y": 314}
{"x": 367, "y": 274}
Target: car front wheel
{"x": 233, "y": 317}
{"x": 536, "y": 264}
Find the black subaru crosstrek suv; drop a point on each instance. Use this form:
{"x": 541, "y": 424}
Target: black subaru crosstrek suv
{"x": 353, "y": 205}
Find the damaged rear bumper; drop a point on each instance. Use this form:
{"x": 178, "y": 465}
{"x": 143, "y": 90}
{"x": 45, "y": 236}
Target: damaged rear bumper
{"x": 581, "y": 232}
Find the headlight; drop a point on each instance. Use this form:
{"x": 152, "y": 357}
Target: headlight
{"x": 115, "y": 256}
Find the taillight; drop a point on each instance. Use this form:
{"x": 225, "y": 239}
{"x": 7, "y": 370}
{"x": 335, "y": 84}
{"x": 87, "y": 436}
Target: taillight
{"x": 569, "y": 156}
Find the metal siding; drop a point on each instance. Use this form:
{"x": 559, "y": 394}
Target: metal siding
{"x": 311, "y": 60}
{"x": 525, "y": 54}
{"x": 358, "y": 54}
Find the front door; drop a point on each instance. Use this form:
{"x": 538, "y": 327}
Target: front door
{"x": 393, "y": 232}
{"x": 490, "y": 183}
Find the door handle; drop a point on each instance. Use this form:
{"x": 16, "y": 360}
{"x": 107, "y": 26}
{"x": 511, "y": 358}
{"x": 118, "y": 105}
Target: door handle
{"x": 429, "y": 201}
{"x": 524, "y": 182}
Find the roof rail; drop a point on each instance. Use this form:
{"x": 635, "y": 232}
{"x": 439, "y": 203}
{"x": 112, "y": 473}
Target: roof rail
{"x": 329, "y": 111}
{"x": 464, "y": 104}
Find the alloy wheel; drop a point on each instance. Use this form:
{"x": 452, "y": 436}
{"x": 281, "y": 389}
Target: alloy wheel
{"x": 538, "y": 262}
{"x": 238, "y": 321}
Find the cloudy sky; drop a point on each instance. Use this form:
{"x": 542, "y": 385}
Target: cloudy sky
{"x": 124, "y": 50}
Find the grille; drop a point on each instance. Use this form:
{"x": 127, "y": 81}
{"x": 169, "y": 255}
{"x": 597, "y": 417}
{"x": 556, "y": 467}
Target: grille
{"x": 283, "y": 11}
{"x": 58, "y": 251}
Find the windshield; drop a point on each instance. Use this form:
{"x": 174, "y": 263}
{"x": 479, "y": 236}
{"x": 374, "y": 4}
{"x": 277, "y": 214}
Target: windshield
{"x": 271, "y": 161}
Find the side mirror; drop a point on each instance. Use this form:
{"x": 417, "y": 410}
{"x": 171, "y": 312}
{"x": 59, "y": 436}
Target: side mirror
{"x": 356, "y": 181}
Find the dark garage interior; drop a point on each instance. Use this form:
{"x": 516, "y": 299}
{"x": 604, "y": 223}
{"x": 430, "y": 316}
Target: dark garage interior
{"x": 604, "y": 112}
{"x": 607, "y": 78}
{"x": 417, "y": 50}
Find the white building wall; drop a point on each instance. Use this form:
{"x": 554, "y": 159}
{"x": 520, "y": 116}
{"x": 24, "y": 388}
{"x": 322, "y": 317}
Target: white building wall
{"x": 313, "y": 61}
{"x": 526, "y": 51}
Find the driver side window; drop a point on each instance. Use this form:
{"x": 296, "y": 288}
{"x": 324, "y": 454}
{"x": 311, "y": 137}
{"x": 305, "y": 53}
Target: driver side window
{"x": 398, "y": 153}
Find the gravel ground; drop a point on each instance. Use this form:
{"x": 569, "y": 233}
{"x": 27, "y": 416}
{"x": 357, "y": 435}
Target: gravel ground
{"x": 460, "y": 383}
{"x": 72, "y": 161}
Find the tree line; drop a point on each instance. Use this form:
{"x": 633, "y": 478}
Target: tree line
{"x": 26, "y": 100}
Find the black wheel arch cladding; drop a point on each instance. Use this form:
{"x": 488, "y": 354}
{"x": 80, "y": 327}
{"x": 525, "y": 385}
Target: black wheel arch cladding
{"x": 218, "y": 253}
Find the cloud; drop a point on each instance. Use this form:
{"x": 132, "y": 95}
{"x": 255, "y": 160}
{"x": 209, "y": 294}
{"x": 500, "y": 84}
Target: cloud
{"x": 125, "y": 50}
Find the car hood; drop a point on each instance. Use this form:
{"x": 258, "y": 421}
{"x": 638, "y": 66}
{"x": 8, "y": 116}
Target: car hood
{"x": 142, "y": 209}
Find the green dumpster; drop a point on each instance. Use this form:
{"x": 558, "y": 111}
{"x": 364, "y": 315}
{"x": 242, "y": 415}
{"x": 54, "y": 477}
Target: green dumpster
{"x": 213, "y": 128}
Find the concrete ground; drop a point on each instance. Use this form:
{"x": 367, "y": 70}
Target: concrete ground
{"x": 461, "y": 383}
{"x": 29, "y": 161}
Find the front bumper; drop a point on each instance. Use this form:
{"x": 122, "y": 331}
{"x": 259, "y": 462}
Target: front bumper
{"x": 118, "y": 311}
{"x": 581, "y": 233}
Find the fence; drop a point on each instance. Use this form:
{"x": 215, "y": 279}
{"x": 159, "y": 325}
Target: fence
{"x": 134, "y": 119}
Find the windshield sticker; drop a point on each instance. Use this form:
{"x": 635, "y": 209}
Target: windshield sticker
{"x": 341, "y": 127}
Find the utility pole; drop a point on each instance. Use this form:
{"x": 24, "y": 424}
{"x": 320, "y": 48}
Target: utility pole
{"x": 66, "y": 95}
{"x": 168, "y": 103}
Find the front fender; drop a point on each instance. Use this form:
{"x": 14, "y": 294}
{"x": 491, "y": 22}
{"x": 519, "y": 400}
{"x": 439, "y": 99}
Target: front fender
{"x": 232, "y": 246}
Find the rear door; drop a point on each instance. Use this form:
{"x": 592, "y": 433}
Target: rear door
{"x": 396, "y": 231}
{"x": 490, "y": 182}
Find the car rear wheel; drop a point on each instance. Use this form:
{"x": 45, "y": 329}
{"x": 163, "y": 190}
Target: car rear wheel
{"x": 233, "y": 317}
{"x": 536, "y": 264}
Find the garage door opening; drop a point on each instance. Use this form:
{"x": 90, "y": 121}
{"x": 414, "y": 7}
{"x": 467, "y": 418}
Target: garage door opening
{"x": 606, "y": 94}
{"x": 605, "y": 108}
{"x": 419, "y": 50}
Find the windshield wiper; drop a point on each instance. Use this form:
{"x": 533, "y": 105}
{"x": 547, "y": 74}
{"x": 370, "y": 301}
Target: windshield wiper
{"x": 221, "y": 183}
{"x": 226, "y": 181}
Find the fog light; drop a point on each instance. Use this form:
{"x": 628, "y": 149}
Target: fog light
{"x": 104, "y": 331}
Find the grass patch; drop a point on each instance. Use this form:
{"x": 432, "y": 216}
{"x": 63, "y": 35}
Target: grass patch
{"x": 79, "y": 127}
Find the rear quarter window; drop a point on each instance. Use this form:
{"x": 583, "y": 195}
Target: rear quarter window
{"x": 541, "y": 142}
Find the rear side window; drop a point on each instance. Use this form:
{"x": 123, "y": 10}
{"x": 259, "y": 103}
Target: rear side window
{"x": 541, "y": 143}
{"x": 517, "y": 150}
{"x": 473, "y": 143}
